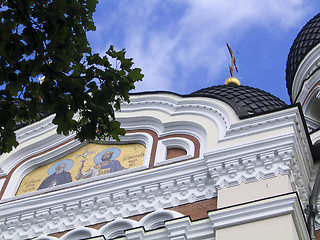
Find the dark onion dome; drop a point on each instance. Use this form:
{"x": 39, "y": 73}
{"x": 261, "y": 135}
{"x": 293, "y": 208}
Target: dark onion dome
{"x": 243, "y": 99}
{"x": 308, "y": 38}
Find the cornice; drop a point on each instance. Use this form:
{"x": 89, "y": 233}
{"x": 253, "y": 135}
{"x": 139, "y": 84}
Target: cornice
{"x": 147, "y": 191}
{"x": 163, "y": 224}
{"x": 143, "y": 190}
{"x": 259, "y": 160}
{"x": 89, "y": 203}
{"x": 315, "y": 136}
{"x": 172, "y": 105}
{"x": 263, "y": 123}
{"x": 285, "y": 154}
{"x": 259, "y": 210}
{"x": 311, "y": 124}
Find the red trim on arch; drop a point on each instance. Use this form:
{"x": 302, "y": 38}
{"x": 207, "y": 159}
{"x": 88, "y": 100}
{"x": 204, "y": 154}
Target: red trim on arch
{"x": 152, "y": 133}
{"x": 314, "y": 86}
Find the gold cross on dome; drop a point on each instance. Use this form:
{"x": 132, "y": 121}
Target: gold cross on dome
{"x": 233, "y": 61}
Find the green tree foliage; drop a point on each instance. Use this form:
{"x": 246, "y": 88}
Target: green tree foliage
{"x": 49, "y": 38}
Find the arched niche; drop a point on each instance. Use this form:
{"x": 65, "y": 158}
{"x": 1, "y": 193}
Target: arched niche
{"x": 312, "y": 105}
{"x": 178, "y": 148}
{"x": 50, "y": 160}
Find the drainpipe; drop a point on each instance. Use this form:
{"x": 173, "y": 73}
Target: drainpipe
{"x": 312, "y": 208}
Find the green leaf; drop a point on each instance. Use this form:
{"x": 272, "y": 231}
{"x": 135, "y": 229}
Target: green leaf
{"x": 48, "y": 38}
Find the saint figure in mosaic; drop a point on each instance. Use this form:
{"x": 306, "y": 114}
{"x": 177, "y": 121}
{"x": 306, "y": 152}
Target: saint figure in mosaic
{"x": 58, "y": 174}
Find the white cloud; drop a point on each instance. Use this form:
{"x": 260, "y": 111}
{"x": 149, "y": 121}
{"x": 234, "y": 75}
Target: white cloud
{"x": 171, "y": 40}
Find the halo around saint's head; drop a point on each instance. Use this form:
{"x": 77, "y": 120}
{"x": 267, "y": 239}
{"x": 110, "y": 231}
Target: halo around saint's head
{"x": 116, "y": 152}
{"x": 67, "y": 162}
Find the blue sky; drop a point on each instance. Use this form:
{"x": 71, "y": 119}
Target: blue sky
{"x": 180, "y": 45}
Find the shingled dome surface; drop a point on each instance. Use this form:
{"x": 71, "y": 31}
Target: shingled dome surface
{"x": 243, "y": 99}
{"x": 308, "y": 38}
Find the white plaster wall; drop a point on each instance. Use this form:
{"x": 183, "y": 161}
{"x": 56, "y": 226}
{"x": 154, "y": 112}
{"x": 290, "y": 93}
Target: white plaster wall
{"x": 247, "y": 192}
{"x": 268, "y": 229}
{"x": 1, "y": 183}
{"x": 231, "y": 152}
{"x": 255, "y": 137}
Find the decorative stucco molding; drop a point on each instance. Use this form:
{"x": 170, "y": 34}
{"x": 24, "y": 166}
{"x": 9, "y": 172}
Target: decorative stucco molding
{"x": 259, "y": 210}
{"x": 161, "y": 224}
{"x": 90, "y": 203}
{"x": 174, "y": 142}
{"x": 184, "y": 109}
{"x": 263, "y": 124}
{"x": 239, "y": 151}
{"x": 246, "y": 168}
{"x": 311, "y": 124}
{"x": 315, "y": 136}
{"x": 147, "y": 191}
{"x": 26, "y": 165}
{"x": 164, "y": 224}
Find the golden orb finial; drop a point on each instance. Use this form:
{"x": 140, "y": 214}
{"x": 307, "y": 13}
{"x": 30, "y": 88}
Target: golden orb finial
{"x": 232, "y": 81}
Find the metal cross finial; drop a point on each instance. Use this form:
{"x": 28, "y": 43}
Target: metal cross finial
{"x": 233, "y": 61}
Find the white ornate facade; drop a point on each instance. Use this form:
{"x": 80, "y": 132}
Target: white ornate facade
{"x": 231, "y": 177}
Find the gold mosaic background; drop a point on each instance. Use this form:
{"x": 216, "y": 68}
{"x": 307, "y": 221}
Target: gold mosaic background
{"x": 128, "y": 156}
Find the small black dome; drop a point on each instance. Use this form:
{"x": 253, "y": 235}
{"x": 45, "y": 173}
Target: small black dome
{"x": 308, "y": 38}
{"x": 243, "y": 99}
